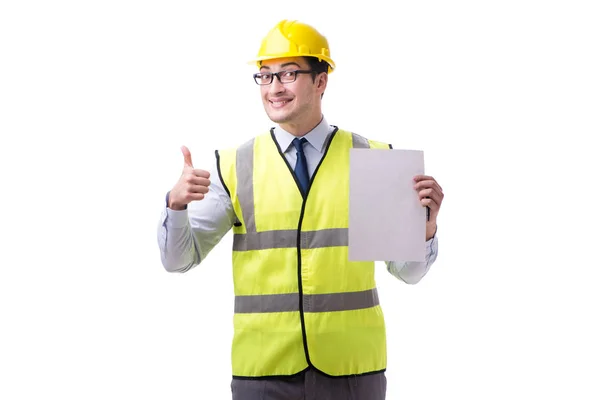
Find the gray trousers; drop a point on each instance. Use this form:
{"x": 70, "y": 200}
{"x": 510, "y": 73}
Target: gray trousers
{"x": 311, "y": 386}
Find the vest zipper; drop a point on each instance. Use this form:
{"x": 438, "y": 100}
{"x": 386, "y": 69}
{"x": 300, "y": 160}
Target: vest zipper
{"x": 299, "y": 237}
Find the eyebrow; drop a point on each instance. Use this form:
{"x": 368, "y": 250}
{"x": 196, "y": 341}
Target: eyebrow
{"x": 283, "y": 65}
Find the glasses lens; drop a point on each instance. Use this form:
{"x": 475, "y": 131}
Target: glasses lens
{"x": 287, "y": 76}
{"x": 263, "y": 78}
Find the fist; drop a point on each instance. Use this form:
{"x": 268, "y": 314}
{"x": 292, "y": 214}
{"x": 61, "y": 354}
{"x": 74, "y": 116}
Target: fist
{"x": 431, "y": 195}
{"x": 192, "y": 185}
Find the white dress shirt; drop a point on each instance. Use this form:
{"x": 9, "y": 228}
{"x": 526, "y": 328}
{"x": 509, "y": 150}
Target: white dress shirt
{"x": 186, "y": 237}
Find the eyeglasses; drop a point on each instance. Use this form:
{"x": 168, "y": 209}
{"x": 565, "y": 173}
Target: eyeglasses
{"x": 265, "y": 78}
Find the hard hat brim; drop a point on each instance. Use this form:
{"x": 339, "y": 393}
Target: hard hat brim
{"x": 256, "y": 61}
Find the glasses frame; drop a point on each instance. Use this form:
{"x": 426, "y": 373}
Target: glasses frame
{"x": 278, "y": 75}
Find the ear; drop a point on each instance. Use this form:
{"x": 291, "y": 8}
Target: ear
{"x": 321, "y": 82}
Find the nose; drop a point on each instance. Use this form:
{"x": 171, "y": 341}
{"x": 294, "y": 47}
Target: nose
{"x": 276, "y": 87}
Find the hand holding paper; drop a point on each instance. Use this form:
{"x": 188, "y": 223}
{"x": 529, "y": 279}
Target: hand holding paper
{"x": 431, "y": 196}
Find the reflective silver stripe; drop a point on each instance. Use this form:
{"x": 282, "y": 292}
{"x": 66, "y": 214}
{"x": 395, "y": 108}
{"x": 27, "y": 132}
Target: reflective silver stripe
{"x": 359, "y": 142}
{"x": 244, "y": 167}
{"x": 288, "y": 239}
{"x": 265, "y": 240}
{"x": 324, "y": 238}
{"x": 267, "y": 303}
{"x": 340, "y": 301}
{"x": 311, "y": 303}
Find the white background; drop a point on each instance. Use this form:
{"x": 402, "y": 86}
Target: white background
{"x": 96, "y": 97}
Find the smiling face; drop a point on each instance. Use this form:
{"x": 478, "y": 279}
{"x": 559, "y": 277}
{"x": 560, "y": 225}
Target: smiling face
{"x": 296, "y": 106}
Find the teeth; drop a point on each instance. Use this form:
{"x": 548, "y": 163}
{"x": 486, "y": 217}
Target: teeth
{"x": 279, "y": 103}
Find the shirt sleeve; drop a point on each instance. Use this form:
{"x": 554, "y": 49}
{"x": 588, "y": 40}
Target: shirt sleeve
{"x": 186, "y": 237}
{"x": 412, "y": 272}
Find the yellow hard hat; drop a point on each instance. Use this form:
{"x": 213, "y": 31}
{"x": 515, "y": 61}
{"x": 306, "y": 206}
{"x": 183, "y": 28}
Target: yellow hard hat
{"x": 294, "y": 39}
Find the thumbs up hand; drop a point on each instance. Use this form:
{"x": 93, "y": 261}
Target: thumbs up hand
{"x": 192, "y": 185}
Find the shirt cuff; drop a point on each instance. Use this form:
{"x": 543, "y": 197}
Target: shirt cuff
{"x": 432, "y": 245}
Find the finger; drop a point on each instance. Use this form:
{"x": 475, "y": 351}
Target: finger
{"x": 198, "y": 189}
{"x": 187, "y": 157}
{"x": 432, "y": 193}
{"x": 194, "y": 196}
{"x": 419, "y": 178}
{"x": 429, "y": 183}
{"x": 195, "y": 180}
{"x": 431, "y": 203}
{"x": 202, "y": 173}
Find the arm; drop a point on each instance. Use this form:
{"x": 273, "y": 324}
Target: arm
{"x": 412, "y": 272}
{"x": 430, "y": 195}
{"x": 187, "y": 234}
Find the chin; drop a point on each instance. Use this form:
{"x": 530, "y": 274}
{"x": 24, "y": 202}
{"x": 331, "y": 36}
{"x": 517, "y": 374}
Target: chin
{"x": 278, "y": 117}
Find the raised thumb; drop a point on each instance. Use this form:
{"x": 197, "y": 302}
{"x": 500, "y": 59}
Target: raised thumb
{"x": 187, "y": 157}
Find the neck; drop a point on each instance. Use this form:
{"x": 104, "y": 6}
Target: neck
{"x": 302, "y": 128}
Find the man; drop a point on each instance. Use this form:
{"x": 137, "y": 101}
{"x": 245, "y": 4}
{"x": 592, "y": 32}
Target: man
{"x": 307, "y": 321}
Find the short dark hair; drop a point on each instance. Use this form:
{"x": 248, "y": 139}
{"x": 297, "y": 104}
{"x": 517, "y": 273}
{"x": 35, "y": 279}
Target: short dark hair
{"x": 318, "y": 66}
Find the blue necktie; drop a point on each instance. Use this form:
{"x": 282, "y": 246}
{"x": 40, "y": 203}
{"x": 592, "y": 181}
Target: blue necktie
{"x": 301, "y": 169}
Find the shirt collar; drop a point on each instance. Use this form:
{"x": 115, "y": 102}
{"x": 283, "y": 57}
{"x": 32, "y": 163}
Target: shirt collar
{"x": 316, "y": 138}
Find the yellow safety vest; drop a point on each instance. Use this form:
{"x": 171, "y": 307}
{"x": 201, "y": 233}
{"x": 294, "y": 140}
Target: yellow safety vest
{"x": 299, "y": 301}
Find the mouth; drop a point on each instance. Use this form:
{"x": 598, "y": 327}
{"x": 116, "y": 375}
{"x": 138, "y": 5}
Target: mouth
{"x": 279, "y": 103}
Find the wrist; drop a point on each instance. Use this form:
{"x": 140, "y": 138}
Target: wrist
{"x": 172, "y": 205}
{"x": 430, "y": 230}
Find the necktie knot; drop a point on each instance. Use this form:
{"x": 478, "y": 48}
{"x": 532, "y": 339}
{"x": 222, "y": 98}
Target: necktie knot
{"x": 299, "y": 144}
